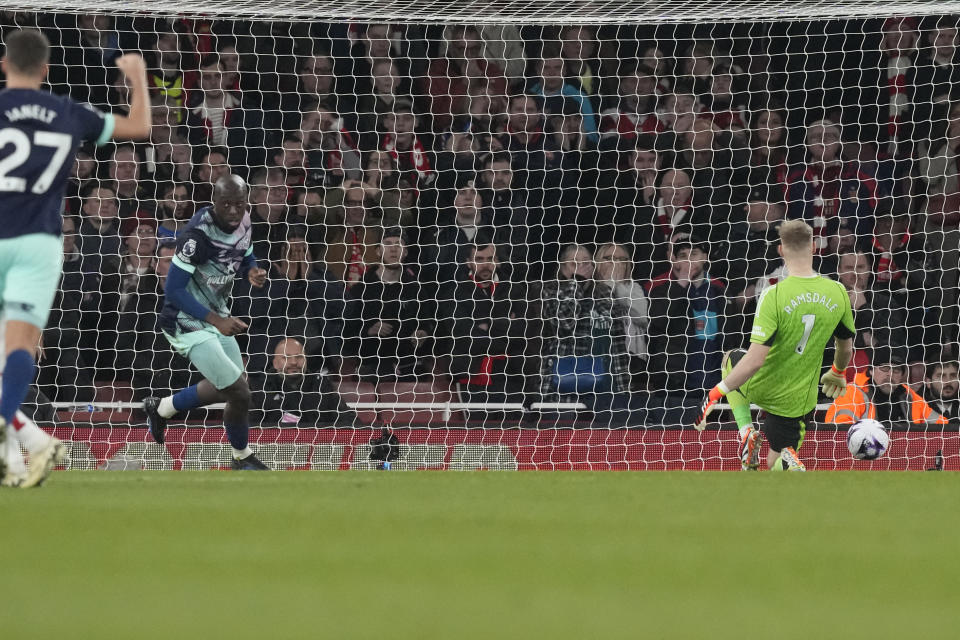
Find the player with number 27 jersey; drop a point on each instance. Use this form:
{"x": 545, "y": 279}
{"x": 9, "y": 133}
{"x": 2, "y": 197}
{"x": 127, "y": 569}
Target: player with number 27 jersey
{"x": 796, "y": 318}
{"x": 39, "y": 134}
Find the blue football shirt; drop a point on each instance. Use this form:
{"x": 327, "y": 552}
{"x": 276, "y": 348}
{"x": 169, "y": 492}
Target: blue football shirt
{"x": 39, "y": 135}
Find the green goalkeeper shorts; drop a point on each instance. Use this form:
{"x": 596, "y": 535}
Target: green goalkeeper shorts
{"x": 30, "y": 268}
{"x": 215, "y": 355}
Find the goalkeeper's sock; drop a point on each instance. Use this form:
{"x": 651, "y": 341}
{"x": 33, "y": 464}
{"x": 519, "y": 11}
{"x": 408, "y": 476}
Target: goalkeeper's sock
{"x": 32, "y": 437}
{"x": 741, "y": 409}
{"x": 17, "y": 376}
{"x": 238, "y": 435}
{"x": 183, "y": 400}
{"x": 777, "y": 465}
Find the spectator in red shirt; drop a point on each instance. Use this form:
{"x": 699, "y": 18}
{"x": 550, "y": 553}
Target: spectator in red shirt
{"x": 404, "y": 146}
{"x": 827, "y": 191}
{"x": 900, "y": 39}
{"x": 461, "y": 70}
{"x": 389, "y": 88}
{"x": 216, "y": 117}
{"x": 768, "y": 149}
{"x": 677, "y": 111}
{"x": 675, "y": 205}
{"x": 723, "y": 104}
{"x": 487, "y": 330}
{"x": 654, "y": 58}
{"x": 633, "y": 111}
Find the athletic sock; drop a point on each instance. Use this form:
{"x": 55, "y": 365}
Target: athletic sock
{"x": 32, "y": 437}
{"x": 777, "y": 464}
{"x": 183, "y": 400}
{"x": 238, "y": 435}
{"x": 240, "y": 454}
{"x": 17, "y": 376}
{"x": 741, "y": 409}
{"x": 166, "y": 408}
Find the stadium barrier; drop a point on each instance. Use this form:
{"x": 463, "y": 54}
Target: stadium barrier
{"x": 196, "y": 448}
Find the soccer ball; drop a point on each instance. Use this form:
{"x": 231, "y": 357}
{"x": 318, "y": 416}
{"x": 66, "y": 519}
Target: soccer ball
{"x": 867, "y": 440}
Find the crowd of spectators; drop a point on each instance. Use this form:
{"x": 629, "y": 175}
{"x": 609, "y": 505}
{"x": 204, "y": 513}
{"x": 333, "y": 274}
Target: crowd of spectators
{"x": 502, "y": 208}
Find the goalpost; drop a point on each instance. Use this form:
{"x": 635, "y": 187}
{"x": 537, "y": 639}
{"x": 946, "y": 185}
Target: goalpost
{"x": 625, "y": 163}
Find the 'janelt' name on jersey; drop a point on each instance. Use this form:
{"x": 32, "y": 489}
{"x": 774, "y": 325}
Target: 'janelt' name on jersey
{"x": 811, "y": 297}
{"x": 30, "y": 112}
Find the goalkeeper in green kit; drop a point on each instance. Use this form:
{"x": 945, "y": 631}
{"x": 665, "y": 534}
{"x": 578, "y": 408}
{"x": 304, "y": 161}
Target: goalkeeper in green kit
{"x": 795, "y": 319}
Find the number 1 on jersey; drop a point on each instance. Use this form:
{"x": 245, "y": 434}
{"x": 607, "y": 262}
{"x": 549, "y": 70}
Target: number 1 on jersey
{"x": 808, "y": 321}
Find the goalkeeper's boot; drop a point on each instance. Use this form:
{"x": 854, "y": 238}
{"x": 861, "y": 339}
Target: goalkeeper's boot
{"x": 156, "y": 422}
{"x": 250, "y": 463}
{"x": 42, "y": 463}
{"x": 750, "y": 439}
{"x": 791, "y": 460}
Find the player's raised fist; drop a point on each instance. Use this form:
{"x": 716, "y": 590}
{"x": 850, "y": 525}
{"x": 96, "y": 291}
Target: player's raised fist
{"x": 257, "y": 277}
{"x": 132, "y": 65}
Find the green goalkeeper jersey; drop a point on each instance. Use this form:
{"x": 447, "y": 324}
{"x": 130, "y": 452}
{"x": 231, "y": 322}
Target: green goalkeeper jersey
{"x": 796, "y": 318}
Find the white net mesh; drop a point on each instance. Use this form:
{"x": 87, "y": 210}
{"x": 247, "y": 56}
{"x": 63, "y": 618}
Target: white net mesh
{"x": 459, "y": 207}
{"x": 615, "y": 12}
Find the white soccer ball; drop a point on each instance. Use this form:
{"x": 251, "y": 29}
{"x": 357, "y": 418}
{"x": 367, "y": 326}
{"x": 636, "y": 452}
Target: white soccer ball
{"x": 867, "y": 440}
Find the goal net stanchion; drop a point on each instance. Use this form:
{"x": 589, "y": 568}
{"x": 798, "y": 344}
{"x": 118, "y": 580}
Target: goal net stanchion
{"x": 508, "y": 232}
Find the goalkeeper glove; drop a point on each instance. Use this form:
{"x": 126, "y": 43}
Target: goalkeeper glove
{"x": 714, "y": 396}
{"x": 833, "y": 382}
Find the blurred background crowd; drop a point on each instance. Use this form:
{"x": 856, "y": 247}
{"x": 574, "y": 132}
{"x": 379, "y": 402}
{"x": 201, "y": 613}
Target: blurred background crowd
{"x": 495, "y": 209}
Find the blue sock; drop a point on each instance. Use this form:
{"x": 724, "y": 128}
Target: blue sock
{"x": 186, "y": 399}
{"x": 238, "y": 435}
{"x": 17, "y": 376}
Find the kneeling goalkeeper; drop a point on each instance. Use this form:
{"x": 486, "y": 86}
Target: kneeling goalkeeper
{"x": 212, "y": 251}
{"x": 795, "y": 319}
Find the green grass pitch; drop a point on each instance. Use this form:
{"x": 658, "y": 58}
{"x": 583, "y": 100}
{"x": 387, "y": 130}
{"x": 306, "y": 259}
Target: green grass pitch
{"x": 481, "y": 555}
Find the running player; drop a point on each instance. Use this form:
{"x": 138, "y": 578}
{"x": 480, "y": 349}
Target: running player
{"x": 212, "y": 251}
{"x": 39, "y": 134}
{"x": 794, "y": 321}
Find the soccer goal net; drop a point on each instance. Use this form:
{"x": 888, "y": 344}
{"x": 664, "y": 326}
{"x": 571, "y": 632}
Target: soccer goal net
{"x": 517, "y": 234}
